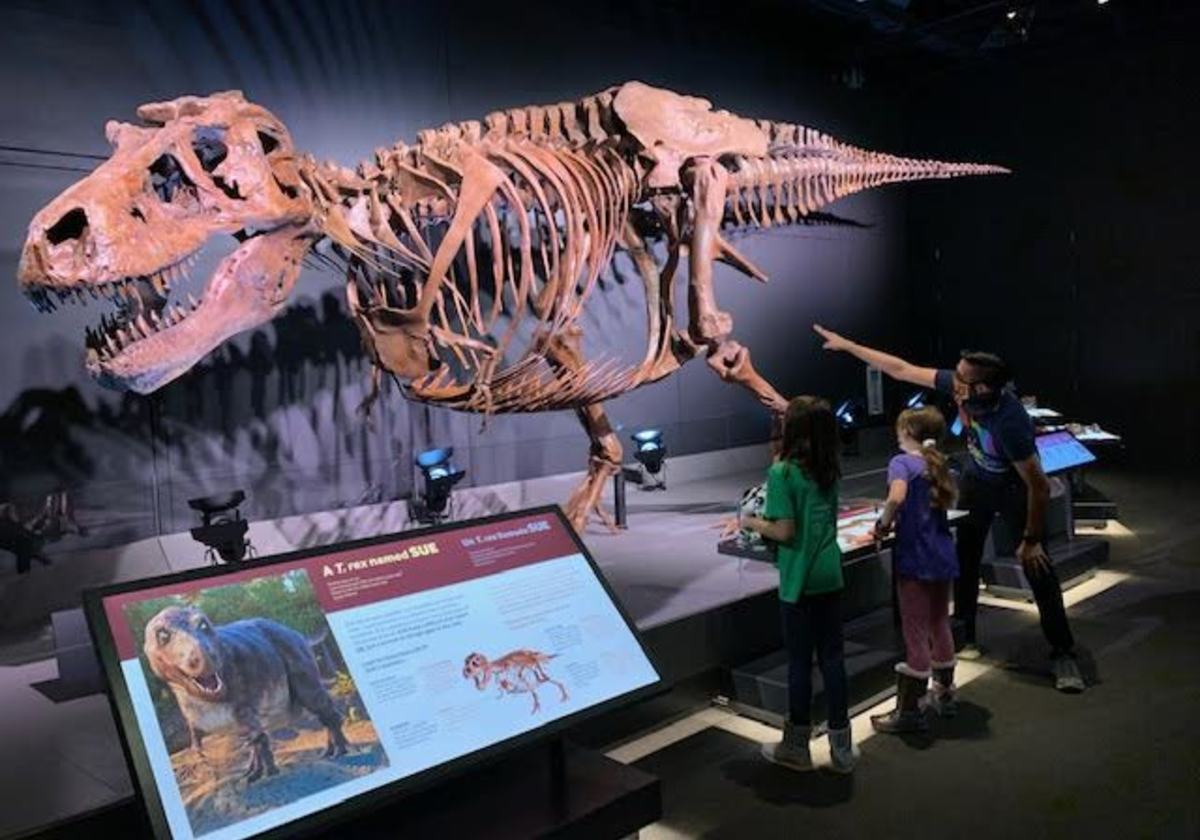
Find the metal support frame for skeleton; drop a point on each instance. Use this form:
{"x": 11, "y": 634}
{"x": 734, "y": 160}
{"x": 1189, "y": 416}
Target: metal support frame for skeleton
{"x": 468, "y": 257}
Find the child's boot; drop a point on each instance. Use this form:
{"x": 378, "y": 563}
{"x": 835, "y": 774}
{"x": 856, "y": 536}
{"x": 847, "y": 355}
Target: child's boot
{"x": 843, "y": 753}
{"x": 942, "y": 698}
{"x": 907, "y": 716}
{"x": 792, "y": 752}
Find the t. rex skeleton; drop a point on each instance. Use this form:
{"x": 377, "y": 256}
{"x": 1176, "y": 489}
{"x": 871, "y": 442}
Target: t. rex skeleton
{"x": 518, "y": 672}
{"x": 468, "y": 257}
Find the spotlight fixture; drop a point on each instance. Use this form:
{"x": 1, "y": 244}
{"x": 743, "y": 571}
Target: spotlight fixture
{"x": 1012, "y": 29}
{"x": 222, "y": 527}
{"x": 918, "y": 399}
{"x": 651, "y": 454}
{"x": 440, "y": 476}
{"x": 849, "y": 413}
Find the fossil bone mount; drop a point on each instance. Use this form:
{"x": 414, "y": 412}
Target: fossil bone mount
{"x": 468, "y": 258}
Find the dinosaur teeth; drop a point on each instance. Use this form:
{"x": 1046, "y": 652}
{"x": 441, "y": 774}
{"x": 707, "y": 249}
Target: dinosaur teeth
{"x": 143, "y": 325}
{"x": 191, "y": 300}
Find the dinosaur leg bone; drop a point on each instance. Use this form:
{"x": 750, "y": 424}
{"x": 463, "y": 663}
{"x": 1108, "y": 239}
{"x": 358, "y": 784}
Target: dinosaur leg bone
{"x": 603, "y": 463}
{"x": 543, "y": 677}
{"x": 664, "y": 353}
{"x": 604, "y": 460}
{"x": 708, "y": 326}
{"x": 731, "y": 361}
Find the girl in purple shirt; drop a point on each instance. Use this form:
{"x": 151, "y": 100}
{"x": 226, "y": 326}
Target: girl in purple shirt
{"x": 920, "y": 491}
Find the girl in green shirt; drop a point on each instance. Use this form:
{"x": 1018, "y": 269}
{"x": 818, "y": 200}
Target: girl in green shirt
{"x": 801, "y": 518}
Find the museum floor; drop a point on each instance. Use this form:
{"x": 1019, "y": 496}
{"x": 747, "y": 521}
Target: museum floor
{"x": 1122, "y": 760}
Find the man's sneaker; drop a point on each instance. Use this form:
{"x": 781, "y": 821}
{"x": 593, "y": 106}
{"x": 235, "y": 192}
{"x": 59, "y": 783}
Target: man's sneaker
{"x": 1066, "y": 675}
{"x": 970, "y": 652}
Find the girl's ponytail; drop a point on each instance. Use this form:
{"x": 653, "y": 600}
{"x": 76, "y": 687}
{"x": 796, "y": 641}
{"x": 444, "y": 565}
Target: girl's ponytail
{"x": 926, "y": 425}
{"x": 941, "y": 490}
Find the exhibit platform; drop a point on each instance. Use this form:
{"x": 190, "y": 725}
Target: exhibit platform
{"x": 698, "y": 610}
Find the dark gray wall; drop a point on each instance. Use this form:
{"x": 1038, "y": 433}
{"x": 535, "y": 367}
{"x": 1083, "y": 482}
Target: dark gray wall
{"x": 273, "y": 412}
{"x": 1082, "y": 267}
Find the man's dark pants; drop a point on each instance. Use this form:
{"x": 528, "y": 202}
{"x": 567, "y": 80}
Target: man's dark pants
{"x": 984, "y": 500}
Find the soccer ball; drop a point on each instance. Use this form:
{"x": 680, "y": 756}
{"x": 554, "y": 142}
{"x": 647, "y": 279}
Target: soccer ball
{"x": 753, "y": 503}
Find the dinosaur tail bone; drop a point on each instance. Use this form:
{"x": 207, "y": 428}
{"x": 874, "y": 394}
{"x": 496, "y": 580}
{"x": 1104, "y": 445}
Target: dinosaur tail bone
{"x": 805, "y": 170}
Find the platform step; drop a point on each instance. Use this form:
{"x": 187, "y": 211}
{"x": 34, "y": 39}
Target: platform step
{"x": 1074, "y": 561}
{"x": 761, "y": 685}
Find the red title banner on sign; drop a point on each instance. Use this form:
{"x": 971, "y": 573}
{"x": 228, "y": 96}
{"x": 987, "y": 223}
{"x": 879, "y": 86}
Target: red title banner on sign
{"x": 367, "y": 574}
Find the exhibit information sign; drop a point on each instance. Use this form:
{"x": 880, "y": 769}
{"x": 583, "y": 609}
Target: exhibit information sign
{"x": 254, "y": 696}
{"x": 1061, "y": 451}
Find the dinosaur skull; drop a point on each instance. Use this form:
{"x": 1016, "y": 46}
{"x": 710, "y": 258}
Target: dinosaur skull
{"x": 199, "y": 167}
{"x": 475, "y": 668}
{"x": 181, "y": 647}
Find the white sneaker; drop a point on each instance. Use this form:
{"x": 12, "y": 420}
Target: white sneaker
{"x": 970, "y": 652}
{"x": 1067, "y": 678}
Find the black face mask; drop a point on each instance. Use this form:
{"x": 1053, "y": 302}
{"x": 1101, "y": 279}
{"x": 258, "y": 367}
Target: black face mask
{"x": 981, "y": 404}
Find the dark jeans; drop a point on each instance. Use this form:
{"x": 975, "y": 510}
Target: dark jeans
{"x": 983, "y": 501}
{"x": 815, "y": 622}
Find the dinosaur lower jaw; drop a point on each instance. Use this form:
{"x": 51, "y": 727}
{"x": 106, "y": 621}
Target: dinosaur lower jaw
{"x": 207, "y": 686}
{"x": 159, "y": 328}
{"x": 146, "y": 362}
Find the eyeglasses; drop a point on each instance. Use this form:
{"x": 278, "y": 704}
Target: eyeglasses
{"x": 969, "y": 384}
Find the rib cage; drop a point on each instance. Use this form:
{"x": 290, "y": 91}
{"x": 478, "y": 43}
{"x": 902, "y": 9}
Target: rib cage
{"x": 502, "y": 280}
{"x": 529, "y": 260}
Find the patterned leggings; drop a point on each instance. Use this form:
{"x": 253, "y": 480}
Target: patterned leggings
{"x": 925, "y": 623}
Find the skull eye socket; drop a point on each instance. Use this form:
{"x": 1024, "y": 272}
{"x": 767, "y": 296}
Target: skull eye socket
{"x": 203, "y": 625}
{"x": 162, "y": 636}
{"x": 167, "y": 177}
{"x": 208, "y": 144}
{"x": 268, "y": 143}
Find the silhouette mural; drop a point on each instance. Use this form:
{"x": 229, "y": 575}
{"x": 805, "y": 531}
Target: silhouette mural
{"x": 273, "y": 411}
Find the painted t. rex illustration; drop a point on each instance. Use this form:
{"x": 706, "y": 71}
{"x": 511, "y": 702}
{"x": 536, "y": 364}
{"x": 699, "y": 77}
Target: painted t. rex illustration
{"x": 468, "y": 257}
{"x": 244, "y": 677}
{"x": 517, "y": 672}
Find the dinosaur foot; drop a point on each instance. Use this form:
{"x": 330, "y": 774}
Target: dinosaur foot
{"x": 336, "y": 747}
{"x": 585, "y": 501}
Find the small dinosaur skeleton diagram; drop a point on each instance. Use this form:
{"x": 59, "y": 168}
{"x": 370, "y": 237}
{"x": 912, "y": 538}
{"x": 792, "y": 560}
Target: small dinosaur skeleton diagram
{"x": 519, "y": 672}
{"x": 468, "y": 258}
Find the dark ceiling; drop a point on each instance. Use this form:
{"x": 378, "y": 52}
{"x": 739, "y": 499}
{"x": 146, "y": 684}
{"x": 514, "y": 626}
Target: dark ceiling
{"x": 895, "y": 38}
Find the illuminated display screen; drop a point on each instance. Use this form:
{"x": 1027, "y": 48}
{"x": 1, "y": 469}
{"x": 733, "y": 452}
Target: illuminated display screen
{"x": 1061, "y": 451}
{"x": 256, "y": 698}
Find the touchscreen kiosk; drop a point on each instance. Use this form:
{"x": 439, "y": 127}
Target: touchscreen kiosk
{"x": 290, "y": 692}
{"x": 1061, "y": 451}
